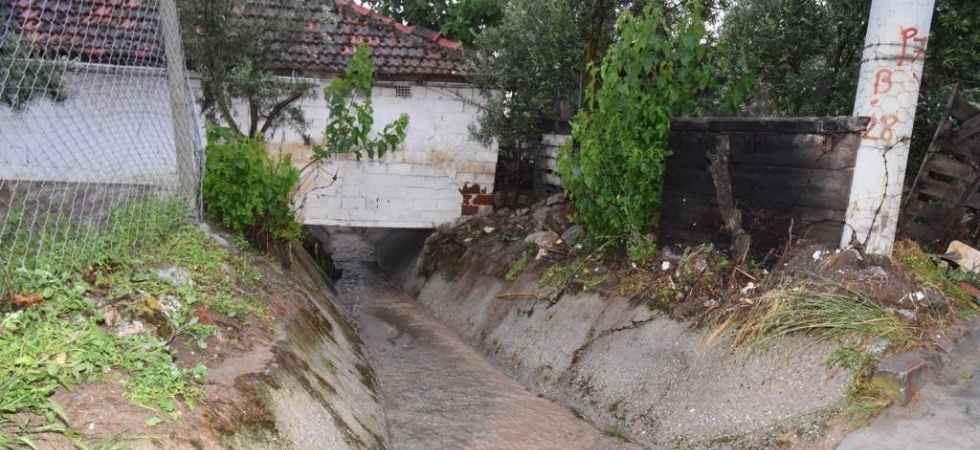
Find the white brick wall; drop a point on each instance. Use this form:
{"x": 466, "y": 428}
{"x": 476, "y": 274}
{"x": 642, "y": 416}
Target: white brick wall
{"x": 115, "y": 127}
{"x": 418, "y": 185}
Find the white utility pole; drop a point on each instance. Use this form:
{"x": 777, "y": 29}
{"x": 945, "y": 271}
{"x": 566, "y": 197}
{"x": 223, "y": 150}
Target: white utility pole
{"x": 888, "y": 90}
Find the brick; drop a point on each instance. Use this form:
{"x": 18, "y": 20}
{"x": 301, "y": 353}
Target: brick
{"x": 470, "y": 210}
{"x": 471, "y": 188}
{"x": 902, "y": 375}
{"x": 352, "y": 203}
{"x": 482, "y": 200}
{"x": 400, "y": 169}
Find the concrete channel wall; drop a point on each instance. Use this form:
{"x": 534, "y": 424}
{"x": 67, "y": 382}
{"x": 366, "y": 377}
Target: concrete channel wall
{"x": 625, "y": 366}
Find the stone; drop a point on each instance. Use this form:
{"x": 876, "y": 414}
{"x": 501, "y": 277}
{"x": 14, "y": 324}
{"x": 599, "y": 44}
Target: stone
{"x": 968, "y": 258}
{"x": 545, "y": 240}
{"x": 573, "y": 234}
{"x": 175, "y": 276}
{"x": 555, "y": 199}
{"x": 902, "y": 375}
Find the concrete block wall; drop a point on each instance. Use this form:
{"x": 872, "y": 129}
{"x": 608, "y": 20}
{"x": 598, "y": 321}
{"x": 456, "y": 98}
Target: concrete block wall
{"x": 115, "y": 127}
{"x": 420, "y": 185}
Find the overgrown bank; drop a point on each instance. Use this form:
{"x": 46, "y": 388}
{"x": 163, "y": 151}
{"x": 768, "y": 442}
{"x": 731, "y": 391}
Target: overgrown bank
{"x": 164, "y": 334}
{"x": 684, "y": 349}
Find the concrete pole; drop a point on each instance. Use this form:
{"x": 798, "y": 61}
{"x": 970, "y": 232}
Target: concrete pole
{"x": 888, "y": 90}
{"x": 180, "y": 106}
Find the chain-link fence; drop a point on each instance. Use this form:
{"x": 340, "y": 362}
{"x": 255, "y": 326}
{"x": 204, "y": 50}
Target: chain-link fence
{"x": 97, "y": 127}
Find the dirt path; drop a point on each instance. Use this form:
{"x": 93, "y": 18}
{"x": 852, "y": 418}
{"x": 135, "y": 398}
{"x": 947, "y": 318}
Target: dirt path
{"x": 437, "y": 392}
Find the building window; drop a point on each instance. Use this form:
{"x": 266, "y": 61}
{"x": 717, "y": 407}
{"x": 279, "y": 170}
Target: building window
{"x": 403, "y": 91}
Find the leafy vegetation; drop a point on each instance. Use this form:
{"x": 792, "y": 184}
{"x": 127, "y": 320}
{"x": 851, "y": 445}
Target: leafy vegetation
{"x": 61, "y": 333}
{"x": 244, "y": 190}
{"x": 458, "y": 20}
{"x": 806, "y": 56}
{"x": 234, "y": 53}
{"x": 28, "y": 77}
{"x": 653, "y": 72}
{"x": 352, "y": 116}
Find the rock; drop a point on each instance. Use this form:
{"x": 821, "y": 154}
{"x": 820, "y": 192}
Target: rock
{"x": 968, "y": 258}
{"x": 175, "y": 276}
{"x": 555, "y": 199}
{"x": 902, "y": 375}
{"x": 545, "y": 240}
{"x": 573, "y": 234}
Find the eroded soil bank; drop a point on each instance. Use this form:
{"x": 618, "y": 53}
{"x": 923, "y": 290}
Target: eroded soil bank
{"x": 297, "y": 379}
{"x": 437, "y": 392}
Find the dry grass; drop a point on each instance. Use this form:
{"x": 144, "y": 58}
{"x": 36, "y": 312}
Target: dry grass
{"x": 821, "y": 309}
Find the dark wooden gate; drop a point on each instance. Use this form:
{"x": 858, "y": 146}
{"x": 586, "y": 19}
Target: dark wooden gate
{"x": 789, "y": 175}
{"x": 944, "y": 202}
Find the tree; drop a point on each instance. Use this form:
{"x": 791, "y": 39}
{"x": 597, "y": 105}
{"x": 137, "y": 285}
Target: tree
{"x": 655, "y": 70}
{"x": 806, "y": 55}
{"x": 26, "y": 77}
{"x": 234, "y": 52}
{"x": 532, "y": 68}
{"x": 458, "y": 20}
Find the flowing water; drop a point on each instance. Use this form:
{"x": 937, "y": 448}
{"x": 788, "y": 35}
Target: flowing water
{"x": 437, "y": 392}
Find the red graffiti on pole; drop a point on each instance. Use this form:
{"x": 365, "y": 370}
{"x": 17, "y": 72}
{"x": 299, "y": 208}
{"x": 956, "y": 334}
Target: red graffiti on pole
{"x": 883, "y": 83}
{"x": 912, "y": 44}
{"x": 886, "y": 122}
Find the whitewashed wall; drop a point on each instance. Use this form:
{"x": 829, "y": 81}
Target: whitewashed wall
{"x": 417, "y": 186}
{"x": 115, "y": 127}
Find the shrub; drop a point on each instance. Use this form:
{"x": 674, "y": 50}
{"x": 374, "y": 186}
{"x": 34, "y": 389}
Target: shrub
{"x": 245, "y": 190}
{"x": 653, "y": 72}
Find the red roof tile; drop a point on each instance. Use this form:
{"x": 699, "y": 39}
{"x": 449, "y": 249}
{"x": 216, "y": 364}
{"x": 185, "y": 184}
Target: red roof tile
{"x": 122, "y": 32}
{"x": 398, "y": 50}
{"x": 125, "y": 32}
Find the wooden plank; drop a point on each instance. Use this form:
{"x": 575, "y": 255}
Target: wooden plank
{"x": 968, "y": 149}
{"x": 948, "y": 166}
{"x": 773, "y": 149}
{"x": 941, "y": 190}
{"x": 935, "y": 214}
{"x": 764, "y": 185}
{"x": 693, "y": 219}
{"x": 967, "y": 130}
{"x": 793, "y": 125}
{"x": 920, "y": 231}
{"x": 974, "y": 201}
{"x": 961, "y": 109}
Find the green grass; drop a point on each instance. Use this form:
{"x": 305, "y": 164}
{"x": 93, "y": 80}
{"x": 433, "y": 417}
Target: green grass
{"x": 61, "y": 341}
{"x": 821, "y": 309}
{"x": 518, "y": 265}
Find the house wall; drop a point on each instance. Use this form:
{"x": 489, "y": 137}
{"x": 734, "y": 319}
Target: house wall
{"x": 115, "y": 127}
{"x": 436, "y": 175}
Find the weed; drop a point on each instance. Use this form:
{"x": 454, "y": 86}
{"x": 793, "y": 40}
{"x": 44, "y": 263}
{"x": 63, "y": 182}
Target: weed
{"x": 821, "y": 309}
{"x": 517, "y": 266}
{"x": 60, "y": 341}
{"x": 925, "y": 270}
{"x": 615, "y": 430}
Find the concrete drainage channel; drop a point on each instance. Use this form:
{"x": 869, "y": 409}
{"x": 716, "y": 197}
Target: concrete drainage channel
{"x": 436, "y": 391}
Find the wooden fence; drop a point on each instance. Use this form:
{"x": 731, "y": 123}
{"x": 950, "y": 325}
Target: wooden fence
{"x": 944, "y": 201}
{"x": 789, "y": 177}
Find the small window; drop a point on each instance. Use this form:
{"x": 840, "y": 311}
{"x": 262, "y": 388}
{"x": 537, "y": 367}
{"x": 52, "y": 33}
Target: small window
{"x": 403, "y": 91}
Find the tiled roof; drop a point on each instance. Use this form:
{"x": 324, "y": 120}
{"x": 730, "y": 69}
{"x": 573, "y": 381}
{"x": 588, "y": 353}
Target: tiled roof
{"x": 121, "y": 32}
{"x": 398, "y": 51}
{"x": 125, "y": 32}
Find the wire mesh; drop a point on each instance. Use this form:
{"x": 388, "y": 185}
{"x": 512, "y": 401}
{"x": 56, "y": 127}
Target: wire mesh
{"x": 96, "y": 117}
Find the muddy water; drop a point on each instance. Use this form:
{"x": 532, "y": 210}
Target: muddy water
{"x": 437, "y": 392}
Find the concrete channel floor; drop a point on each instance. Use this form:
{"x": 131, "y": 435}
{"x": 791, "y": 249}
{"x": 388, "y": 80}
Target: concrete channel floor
{"x": 944, "y": 415}
{"x": 437, "y": 392}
